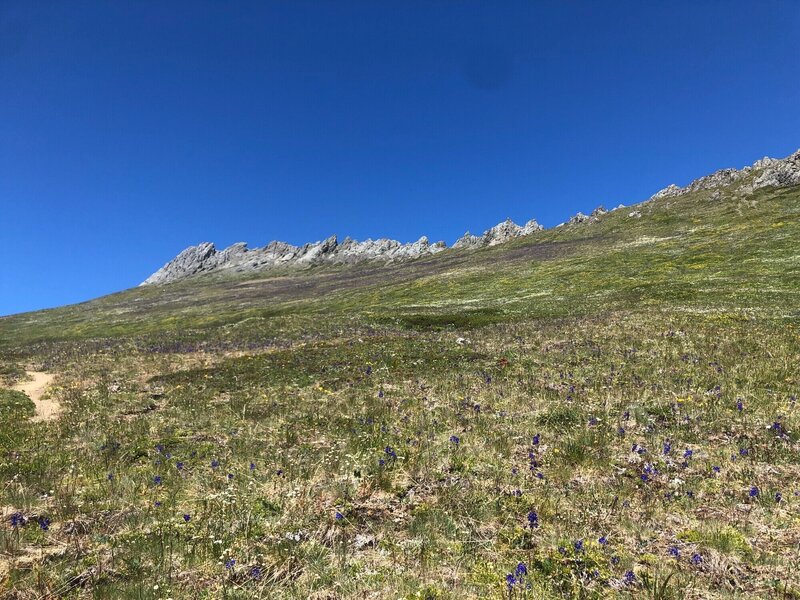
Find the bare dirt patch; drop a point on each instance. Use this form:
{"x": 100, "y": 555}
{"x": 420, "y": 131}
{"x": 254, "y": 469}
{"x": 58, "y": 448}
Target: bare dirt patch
{"x": 46, "y": 408}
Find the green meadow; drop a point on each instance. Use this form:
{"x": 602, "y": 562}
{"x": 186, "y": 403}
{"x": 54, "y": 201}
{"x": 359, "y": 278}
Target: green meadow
{"x": 593, "y": 411}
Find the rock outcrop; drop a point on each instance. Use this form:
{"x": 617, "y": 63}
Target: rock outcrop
{"x": 765, "y": 172}
{"x": 468, "y": 241}
{"x": 581, "y": 218}
{"x": 500, "y": 233}
{"x": 205, "y": 258}
{"x": 189, "y": 262}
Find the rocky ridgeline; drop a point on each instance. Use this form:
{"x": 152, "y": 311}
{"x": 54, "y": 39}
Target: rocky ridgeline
{"x": 766, "y": 172}
{"x": 205, "y": 258}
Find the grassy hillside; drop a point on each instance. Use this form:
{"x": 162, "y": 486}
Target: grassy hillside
{"x": 596, "y": 410}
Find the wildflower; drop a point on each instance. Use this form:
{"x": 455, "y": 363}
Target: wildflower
{"x": 715, "y": 468}
{"x": 674, "y": 551}
{"x": 510, "y": 580}
{"x": 697, "y": 559}
{"x": 688, "y": 453}
{"x": 157, "y": 480}
{"x": 744, "y": 452}
{"x": 230, "y": 476}
{"x": 629, "y": 578}
{"x": 229, "y": 564}
{"x": 44, "y": 523}
{"x": 739, "y": 405}
{"x": 252, "y": 466}
{"x": 255, "y": 573}
{"x": 754, "y": 492}
{"x": 621, "y": 432}
{"x": 540, "y": 475}
{"x": 390, "y": 452}
{"x": 593, "y": 421}
{"x": 159, "y": 448}
{"x": 179, "y": 466}
{"x": 533, "y": 519}
{"x": 778, "y": 496}
{"x": 667, "y": 447}
{"x": 110, "y": 477}
{"x": 214, "y": 463}
{"x": 455, "y": 440}
{"x": 521, "y": 570}
{"x": 615, "y": 560}
{"x": 603, "y": 541}
{"x": 279, "y": 472}
{"x": 536, "y": 439}
{"x": 186, "y": 518}
{"x": 578, "y": 544}
{"x": 17, "y": 519}
{"x": 380, "y": 394}
{"x": 339, "y": 516}
{"x": 157, "y": 503}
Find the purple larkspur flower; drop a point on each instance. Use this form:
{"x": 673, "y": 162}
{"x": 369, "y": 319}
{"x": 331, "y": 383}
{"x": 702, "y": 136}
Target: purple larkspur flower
{"x": 629, "y": 578}
{"x": 511, "y": 580}
{"x": 533, "y": 519}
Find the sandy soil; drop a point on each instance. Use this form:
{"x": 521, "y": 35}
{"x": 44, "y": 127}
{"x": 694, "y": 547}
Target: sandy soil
{"x": 46, "y": 408}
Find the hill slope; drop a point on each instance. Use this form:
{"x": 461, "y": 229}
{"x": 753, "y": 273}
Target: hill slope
{"x": 606, "y": 408}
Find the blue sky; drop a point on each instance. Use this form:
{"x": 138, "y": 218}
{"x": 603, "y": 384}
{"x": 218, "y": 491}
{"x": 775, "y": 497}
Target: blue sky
{"x": 130, "y": 130}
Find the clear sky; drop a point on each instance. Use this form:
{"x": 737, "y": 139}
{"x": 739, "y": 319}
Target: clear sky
{"x": 130, "y": 130}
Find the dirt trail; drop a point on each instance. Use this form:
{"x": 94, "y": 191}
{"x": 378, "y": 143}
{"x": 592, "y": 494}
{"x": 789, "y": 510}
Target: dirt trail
{"x": 46, "y": 409}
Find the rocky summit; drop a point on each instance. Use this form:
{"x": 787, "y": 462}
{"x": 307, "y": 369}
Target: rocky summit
{"x": 205, "y": 258}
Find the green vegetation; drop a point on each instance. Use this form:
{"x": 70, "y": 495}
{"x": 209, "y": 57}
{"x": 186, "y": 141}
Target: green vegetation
{"x": 620, "y": 419}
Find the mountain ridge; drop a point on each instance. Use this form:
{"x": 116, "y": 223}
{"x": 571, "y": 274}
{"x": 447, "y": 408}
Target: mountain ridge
{"x": 205, "y": 257}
